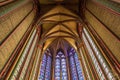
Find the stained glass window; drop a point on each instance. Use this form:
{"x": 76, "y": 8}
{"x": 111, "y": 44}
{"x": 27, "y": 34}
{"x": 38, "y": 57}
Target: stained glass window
{"x": 60, "y": 67}
{"x": 42, "y": 70}
{"x": 64, "y": 70}
{"x": 57, "y": 69}
{"x": 76, "y": 71}
{"x": 45, "y": 68}
{"x": 73, "y": 69}
{"x": 48, "y": 69}
{"x": 79, "y": 70}
{"x": 99, "y": 57}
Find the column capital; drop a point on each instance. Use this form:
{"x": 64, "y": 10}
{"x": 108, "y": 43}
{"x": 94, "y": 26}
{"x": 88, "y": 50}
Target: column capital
{"x": 80, "y": 45}
{"x": 40, "y": 46}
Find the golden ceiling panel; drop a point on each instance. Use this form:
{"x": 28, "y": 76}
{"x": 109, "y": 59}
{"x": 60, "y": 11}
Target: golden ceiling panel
{"x": 60, "y": 34}
{"x": 47, "y": 26}
{"x": 59, "y": 28}
{"x": 50, "y": 24}
{"x": 67, "y": 29}
{"x": 72, "y": 25}
{"x": 59, "y": 9}
{"x": 48, "y": 42}
{"x": 59, "y": 18}
{"x": 55, "y": 28}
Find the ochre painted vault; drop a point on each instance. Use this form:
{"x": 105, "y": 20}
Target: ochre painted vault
{"x": 59, "y": 40}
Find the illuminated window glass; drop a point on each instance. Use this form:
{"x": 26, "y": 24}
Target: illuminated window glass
{"x": 76, "y": 71}
{"x": 42, "y": 70}
{"x": 60, "y": 67}
{"x": 64, "y": 70}
{"x": 45, "y": 68}
{"x": 79, "y": 70}
{"x": 73, "y": 68}
{"x": 48, "y": 68}
{"x": 57, "y": 69}
{"x": 104, "y": 64}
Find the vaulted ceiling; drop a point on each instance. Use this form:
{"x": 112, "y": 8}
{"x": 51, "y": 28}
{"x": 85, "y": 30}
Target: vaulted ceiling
{"x": 72, "y": 5}
{"x": 59, "y": 21}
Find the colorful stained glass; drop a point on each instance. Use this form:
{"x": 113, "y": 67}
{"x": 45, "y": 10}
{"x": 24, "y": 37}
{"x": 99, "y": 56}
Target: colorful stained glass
{"x": 42, "y": 70}
{"x": 60, "y": 67}
{"x": 48, "y": 69}
{"x": 45, "y": 68}
{"x": 76, "y": 72}
{"x": 73, "y": 68}
{"x": 79, "y": 70}
{"x": 60, "y": 53}
{"x": 62, "y": 56}
{"x": 64, "y": 69}
{"x": 57, "y": 68}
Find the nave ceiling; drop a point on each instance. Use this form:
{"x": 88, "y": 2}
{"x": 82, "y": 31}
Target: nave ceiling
{"x": 59, "y": 24}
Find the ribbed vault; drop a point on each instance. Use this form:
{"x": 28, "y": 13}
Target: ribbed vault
{"x": 59, "y": 28}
